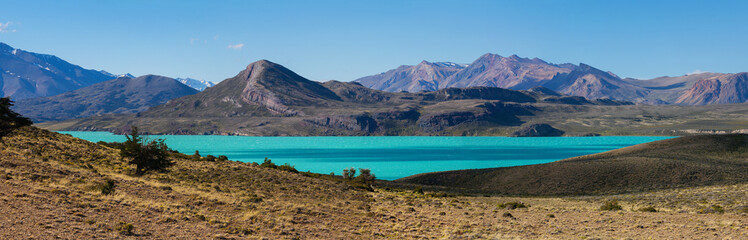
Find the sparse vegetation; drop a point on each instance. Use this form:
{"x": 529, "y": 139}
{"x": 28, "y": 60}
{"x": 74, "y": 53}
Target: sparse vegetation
{"x": 743, "y": 209}
{"x": 51, "y": 173}
{"x": 349, "y": 173}
{"x": 267, "y": 163}
{"x": 647, "y": 209}
{"x": 512, "y": 205}
{"x": 106, "y": 188}
{"x": 611, "y": 206}
{"x": 124, "y": 228}
{"x": 418, "y": 190}
{"x": 711, "y": 209}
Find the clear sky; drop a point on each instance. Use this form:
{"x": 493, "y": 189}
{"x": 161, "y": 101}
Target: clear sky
{"x": 345, "y": 40}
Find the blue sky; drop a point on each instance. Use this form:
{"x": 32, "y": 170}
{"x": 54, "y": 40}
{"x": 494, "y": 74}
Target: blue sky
{"x": 344, "y": 40}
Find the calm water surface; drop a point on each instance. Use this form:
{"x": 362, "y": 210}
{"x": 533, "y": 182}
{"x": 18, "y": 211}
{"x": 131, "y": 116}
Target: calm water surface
{"x": 389, "y": 157}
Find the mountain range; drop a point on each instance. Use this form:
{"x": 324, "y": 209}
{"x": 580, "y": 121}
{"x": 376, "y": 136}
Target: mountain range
{"x": 519, "y": 73}
{"x": 27, "y": 75}
{"x": 267, "y": 99}
{"x": 117, "y": 96}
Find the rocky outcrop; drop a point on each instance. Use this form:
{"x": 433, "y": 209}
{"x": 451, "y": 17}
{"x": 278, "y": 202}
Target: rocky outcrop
{"x": 571, "y": 100}
{"x": 275, "y": 87}
{"x": 731, "y": 88}
{"x": 592, "y": 83}
{"x": 537, "y": 130}
{"x": 485, "y": 93}
{"x": 438, "y": 122}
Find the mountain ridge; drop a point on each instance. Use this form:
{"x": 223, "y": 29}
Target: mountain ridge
{"x": 519, "y": 73}
{"x": 267, "y": 99}
{"x": 27, "y": 75}
{"x": 118, "y": 96}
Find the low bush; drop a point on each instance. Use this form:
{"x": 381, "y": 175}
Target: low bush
{"x": 210, "y": 158}
{"x": 611, "y": 206}
{"x": 647, "y": 209}
{"x": 512, "y": 205}
{"x": 267, "y": 163}
{"x": 349, "y": 173}
{"x": 288, "y": 168}
{"x": 106, "y": 188}
{"x": 125, "y": 228}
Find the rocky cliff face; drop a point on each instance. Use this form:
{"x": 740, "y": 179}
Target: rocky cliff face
{"x": 276, "y": 88}
{"x": 732, "y": 88}
{"x": 537, "y": 130}
{"x": 589, "y": 82}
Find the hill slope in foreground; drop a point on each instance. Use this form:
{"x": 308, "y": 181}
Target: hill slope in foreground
{"x": 680, "y": 162}
{"x": 53, "y": 184}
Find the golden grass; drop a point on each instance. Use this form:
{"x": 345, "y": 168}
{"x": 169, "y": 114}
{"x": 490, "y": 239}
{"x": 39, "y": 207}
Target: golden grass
{"x": 49, "y": 190}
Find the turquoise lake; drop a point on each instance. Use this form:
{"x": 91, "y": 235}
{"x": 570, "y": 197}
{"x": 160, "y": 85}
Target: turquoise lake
{"x": 389, "y": 157}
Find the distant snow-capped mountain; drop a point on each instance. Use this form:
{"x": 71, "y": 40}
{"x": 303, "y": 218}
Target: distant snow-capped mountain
{"x": 200, "y": 85}
{"x": 26, "y": 74}
{"x": 127, "y": 75}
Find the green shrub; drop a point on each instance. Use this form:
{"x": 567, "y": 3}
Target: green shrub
{"x": 210, "y": 158}
{"x": 223, "y": 158}
{"x": 105, "y": 188}
{"x": 512, "y": 205}
{"x": 267, "y": 163}
{"x": 418, "y": 190}
{"x": 146, "y": 155}
{"x": 349, "y": 173}
{"x": 196, "y": 156}
{"x": 125, "y": 228}
{"x": 611, "y": 206}
{"x": 647, "y": 209}
{"x": 9, "y": 119}
{"x": 365, "y": 176}
{"x": 288, "y": 167}
{"x": 108, "y": 187}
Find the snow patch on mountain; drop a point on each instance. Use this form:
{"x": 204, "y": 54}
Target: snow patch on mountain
{"x": 200, "y": 85}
